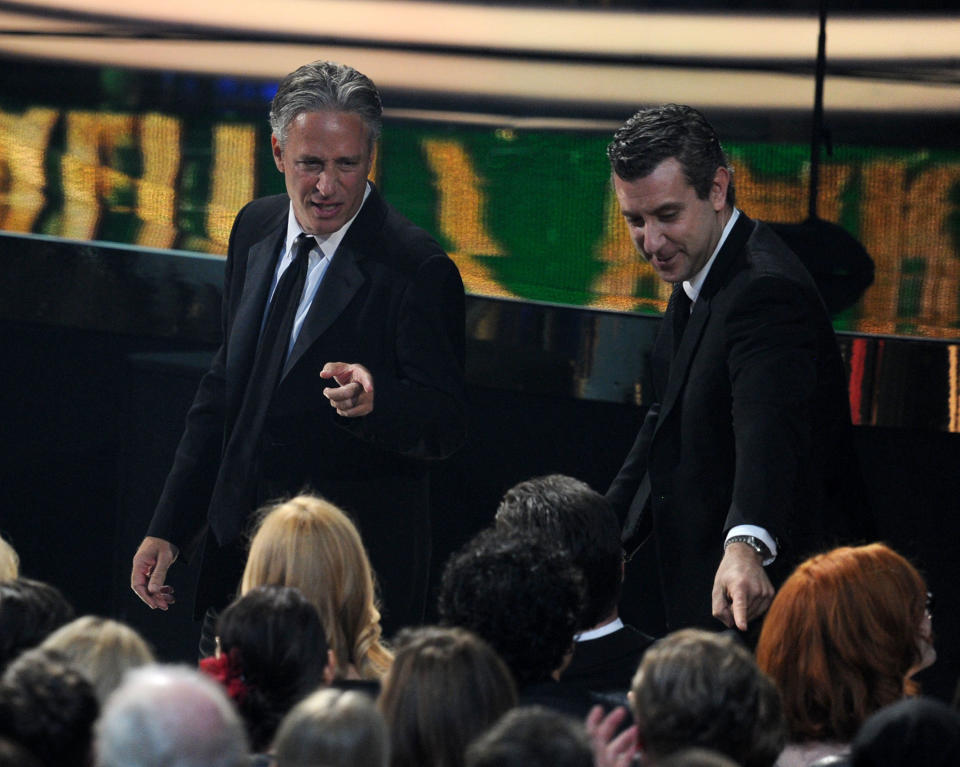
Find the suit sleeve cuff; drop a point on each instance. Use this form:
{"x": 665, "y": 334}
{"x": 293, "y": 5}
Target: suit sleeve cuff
{"x": 756, "y": 532}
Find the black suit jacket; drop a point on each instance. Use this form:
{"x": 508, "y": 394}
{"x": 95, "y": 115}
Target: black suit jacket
{"x": 750, "y": 425}
{"x": 607, "y": 663}
{"x": 390, "y": 300}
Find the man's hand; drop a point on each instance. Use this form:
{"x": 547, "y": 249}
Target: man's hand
{"x": 354, "y": 396}
{"x": 610, "y": 751}
{"x": 150, "y": 565}
{"x": 741, "y": 589}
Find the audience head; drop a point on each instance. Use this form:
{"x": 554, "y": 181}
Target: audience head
{"x": 581, "y": 520}
{"x": 48, "y": 707}
{"x": 697, "y": 688}
{"x": 170, "y": 716}
{"x": 696, "y": 757}
{"x": 909, "y": 733}
{"x": 841, "y": 638}
{"x": 324, "y": 86}
{"x": 445, "y": 687}
{"x": 272, "y": 653}
{"x": 9, "y": 562}
{"x": 311, "y": 545}
{"x": 103, "y": 650}
{"x": 532, "y": 736}
{"x": 333, "y": 728}
{"x": 29, "y": 611}
{"x": 675, "y": 131}
{"x": 520, "y": 593}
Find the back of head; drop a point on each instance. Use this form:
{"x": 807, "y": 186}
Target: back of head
{"x": 915, "y": 731}
{"x": 169, "y": 716}
{"x": 271, "y": 639}
{"x": 325, "y": 86}
{"x": 9, "y": 562}
{"x": 581, "y": 520}
{"x": 697, "y": 688}
{"x": 696, "y": 757}
{"x": 333, "y": 728}
{"x": 311, "y": 545}
{"x": 48, "y": 707}
{"x": 29, "y": 611}
{"x": 840, "y": 638}
{"x": 103, "y": 650}
{"x": 654, "y": 135}
{"x": 520, "y": 593}
{"x": 446, "y": 686}
{"x": 532, "y": 737}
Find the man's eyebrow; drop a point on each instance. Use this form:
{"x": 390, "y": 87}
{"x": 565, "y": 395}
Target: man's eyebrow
{"x": 668, "y": 207}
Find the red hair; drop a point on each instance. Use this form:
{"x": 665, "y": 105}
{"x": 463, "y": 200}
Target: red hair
{"x": 841, "y": 636}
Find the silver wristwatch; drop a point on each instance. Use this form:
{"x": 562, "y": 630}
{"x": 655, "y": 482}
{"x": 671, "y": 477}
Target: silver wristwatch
{"x": 753, "y": 542}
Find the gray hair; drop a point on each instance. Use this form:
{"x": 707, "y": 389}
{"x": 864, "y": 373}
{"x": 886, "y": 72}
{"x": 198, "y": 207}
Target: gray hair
{"x": 325, "y": 86}
{"x": 170, "y": 716}
{"x": 334, "y": 728}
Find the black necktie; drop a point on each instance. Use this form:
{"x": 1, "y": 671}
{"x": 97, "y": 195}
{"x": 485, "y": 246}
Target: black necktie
{"x": 235, "y": 493}
{"x": 681, "y": 313}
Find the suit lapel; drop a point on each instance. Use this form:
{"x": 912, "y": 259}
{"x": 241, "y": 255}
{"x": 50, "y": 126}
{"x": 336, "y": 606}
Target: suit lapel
{"x": 258, "y": 274}
{"x": 680, "y": 365}
{"x": 343, "y": 278}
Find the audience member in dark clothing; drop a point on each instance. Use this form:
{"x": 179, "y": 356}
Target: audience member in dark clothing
{"x": 272, "y": 653}
{"x": 564, "y": 509}
{"x": 532, "y": 737}
{"x": 333, "y": 728}
{"x": 909, "y": 733}
{"x": 696, "y": 757}
{"x": 29, "y": 612}
{"x": 524, "y": 596}
{"x": 446, "y": 687}
{"x": 48, "y": 707}
{"x": 697, "y": 688}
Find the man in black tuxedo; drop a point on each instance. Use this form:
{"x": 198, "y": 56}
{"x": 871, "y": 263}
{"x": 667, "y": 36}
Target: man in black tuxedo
{"x": 565, "y": 510}
{"x": 744, "y": 462}
{"x": 325, "y": 273}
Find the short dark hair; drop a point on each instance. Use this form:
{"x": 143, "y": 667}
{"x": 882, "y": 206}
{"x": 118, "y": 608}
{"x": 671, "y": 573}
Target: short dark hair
{"x": 48, "y": 707}
{"x": 532, "y": 736}
{"x": 520, "y": 593}
{"x": 581, "y": 520}
{"x": 697, "y": 688}
{"x": 276, "y": 637}
{"x": 29, "y": 612}
{"x": 325, "y": 86}
{"x": 670, "y": 130}
{"x": 445, "y": 687}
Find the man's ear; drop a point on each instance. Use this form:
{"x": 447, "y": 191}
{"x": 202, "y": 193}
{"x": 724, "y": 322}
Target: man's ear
{"x": 277, "y": 152}
{"x": 718, "y": 188}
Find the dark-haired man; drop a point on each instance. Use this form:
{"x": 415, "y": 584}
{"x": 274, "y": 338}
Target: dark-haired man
{"x": 743, "y": 456}
{"x": 563, "y": 509}
{"x": 341, "y": 368}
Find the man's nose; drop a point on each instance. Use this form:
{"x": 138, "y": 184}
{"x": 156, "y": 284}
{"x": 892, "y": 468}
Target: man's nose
{"x": 326, "y": 182}
{"x": 652, "y": 238}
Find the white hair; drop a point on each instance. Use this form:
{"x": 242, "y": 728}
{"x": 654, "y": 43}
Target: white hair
{"x": 170, "y": 716}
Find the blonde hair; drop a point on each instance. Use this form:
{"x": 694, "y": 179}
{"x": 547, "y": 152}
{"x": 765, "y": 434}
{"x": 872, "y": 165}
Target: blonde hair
{"x": 101, "y": 649}
{"x": 311, "y": 545}
{"x": 9, "y": 562}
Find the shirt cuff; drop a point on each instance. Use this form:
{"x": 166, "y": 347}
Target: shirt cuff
{"x": 756, "y": 532}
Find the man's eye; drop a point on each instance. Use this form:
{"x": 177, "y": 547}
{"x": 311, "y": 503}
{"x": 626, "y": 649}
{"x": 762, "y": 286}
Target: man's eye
{"x": 311, "y": 167}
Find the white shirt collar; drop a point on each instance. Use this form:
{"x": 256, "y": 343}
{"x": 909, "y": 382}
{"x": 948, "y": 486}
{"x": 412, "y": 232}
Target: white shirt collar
{"x": 328, "y": 242}
{"x": 692, "y": 286}
{"x": 607, "y": 628}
